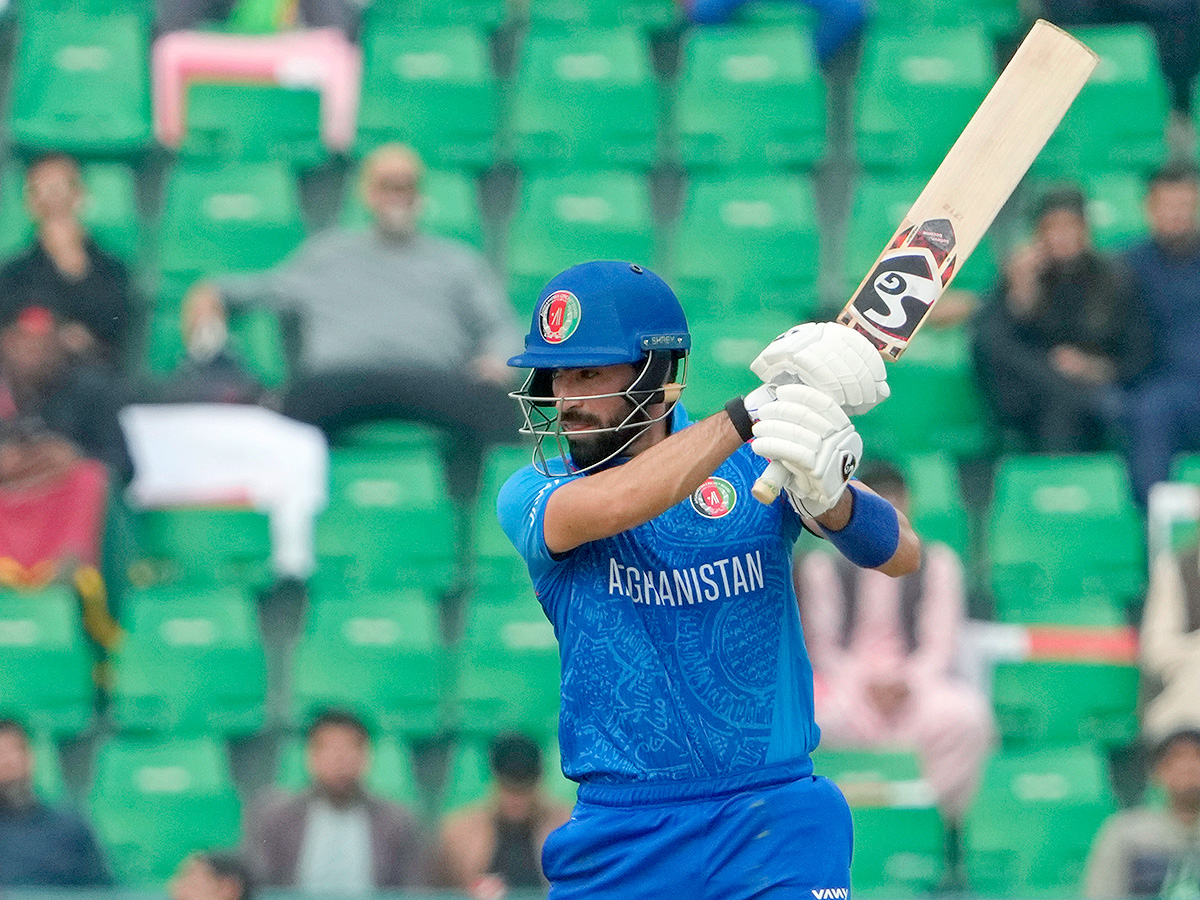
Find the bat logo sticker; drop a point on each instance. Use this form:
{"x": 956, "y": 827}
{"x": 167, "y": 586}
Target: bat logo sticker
{"x": 900, "y": 291}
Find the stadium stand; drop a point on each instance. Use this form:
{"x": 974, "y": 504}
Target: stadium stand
{"x": 450, "y": 207}
{"x": 391, "y": 775}
{"x": 254, "y": 122}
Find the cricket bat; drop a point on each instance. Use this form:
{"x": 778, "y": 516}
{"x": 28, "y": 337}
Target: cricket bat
{"x": 957, "y": 206}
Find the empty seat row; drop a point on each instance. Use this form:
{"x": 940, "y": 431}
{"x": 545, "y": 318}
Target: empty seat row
{"x": 746, "y": 97}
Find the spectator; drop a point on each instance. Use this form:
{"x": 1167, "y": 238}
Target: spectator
{"x": 39, "y": 846}
{"x": 65, "y": 272}
{"x": 257, "y": 15}
{"x": 1163, "y": 411}
{"x": 496, "y": 845}
{"x": 77, "y": 401}
{"x": 212, "y": 876}
{"x": 839, "y": 22}
{"x": 882, "y": 651}
{"x": 1061, "y": 331}
{"x": 1139, "y": 852}
{"x": 335, "y": 838}
{"x": 399, "y": 325}
{"x": 1170, "y": 643}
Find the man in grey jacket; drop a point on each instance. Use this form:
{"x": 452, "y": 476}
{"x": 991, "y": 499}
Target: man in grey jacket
{"x": 335, "y": 838}
{"x": 397, "y": 324}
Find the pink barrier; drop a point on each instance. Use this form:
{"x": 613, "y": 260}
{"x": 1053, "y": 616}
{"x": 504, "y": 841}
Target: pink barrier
{"x": 318, "y": 58}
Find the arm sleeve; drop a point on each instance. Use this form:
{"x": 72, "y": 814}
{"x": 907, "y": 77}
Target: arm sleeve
{"x": 521, "y": 508}
{"x": 941, "y": 617}
{"x": 1106, "y": 874}
{"x": 489, "y": 315}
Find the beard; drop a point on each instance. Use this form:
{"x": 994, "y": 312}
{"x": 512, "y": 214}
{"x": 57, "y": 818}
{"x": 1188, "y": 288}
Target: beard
{"x": 588, "y": 450}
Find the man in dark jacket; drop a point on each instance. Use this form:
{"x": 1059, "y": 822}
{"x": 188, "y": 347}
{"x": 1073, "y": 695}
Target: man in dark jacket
{"x": 39, "y": 845}
{"x": 1061, "y": 334}
{"x": 335, "y": 838}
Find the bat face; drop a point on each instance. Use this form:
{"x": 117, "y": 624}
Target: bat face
{"x": 900, "y": 290}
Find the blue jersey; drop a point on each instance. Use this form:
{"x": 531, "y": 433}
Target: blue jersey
{"x": 682, "y": 655}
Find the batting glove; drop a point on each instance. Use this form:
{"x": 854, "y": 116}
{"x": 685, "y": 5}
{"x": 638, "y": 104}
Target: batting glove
{"x": 806, "y": 431}
{"x": 833, "y": 358}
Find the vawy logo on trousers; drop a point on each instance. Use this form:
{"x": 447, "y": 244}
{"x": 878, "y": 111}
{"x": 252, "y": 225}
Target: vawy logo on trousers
{"x": 831, "y": 893}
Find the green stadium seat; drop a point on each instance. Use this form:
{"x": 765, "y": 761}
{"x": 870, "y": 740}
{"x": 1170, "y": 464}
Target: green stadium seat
{"x": 1186, "y": 468}
{"x": 1066, "y": 544}
{"x": 391, "y": 774}
{"x": 375, "y": 652}
{"x": 750, "y": 98}
{"x": 203, "y": 545}
{"x": 774, "y": 12}
{"x": 916, "y": 91}
{"x": 937, "y": 509}
{"x": 109, "y": 214}
{"x": 747, "y": 244}
{"x": 496, "y": 560}
{"x": 898, "y": 833}
{"x": 449, "y": 207}
{"x": 508, "y": 668}
{"x": 718, "y": 366}
{"x": 1114, "y": 207}
{"x": 937, "y": 366}
{"x": 563, "y": 220}
{"x": 998, "y": 17}
{"x": 649, "y": 14}
{"x": 389, "y": 520}
{"x": 1032, "y": 822}
{"x": 469, "y": 777}
{"x": 48, "y": 782}
{"x": 81, "y": 84}
{"x": 248, "y": 121}
{"x": 393, "y": 434}
{"x": 154, "y": 801}
{"x": 433, "y": 88}
{"x": 255, "y": 334}
{"x": 879, "y": 206}
{"x": 45, "y": 663}
{"x": 1119, "y": 118}
{"x": 191, "y": 662}
{"x": 1042, "y": 703}
{"x": 39, "y": 9}
{"x": 226, "y": 217}
{"x": 389, "y": 13}
{"x": 584, "y": 99}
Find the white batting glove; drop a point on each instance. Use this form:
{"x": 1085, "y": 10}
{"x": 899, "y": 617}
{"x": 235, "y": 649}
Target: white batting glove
{"x": 833, "y": 358}
{"x": 806, "y": 431}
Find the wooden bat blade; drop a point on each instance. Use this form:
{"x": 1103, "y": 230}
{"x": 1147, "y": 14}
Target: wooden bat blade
{"x": 957, "y": 206}
{"x": 982, "y": 169}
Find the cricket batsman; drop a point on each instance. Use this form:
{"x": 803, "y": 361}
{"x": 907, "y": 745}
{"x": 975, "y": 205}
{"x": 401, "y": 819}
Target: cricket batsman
{"x": 687, "y": 708}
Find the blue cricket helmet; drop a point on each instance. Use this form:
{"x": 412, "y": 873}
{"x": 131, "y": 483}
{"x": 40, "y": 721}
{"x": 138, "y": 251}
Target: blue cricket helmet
{"x": 601, "y": 314}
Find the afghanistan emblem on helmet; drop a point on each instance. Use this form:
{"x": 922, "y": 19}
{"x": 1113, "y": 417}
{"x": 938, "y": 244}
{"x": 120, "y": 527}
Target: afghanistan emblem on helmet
{"x": 559, "y": 316}
{"x": 715, "y": 498}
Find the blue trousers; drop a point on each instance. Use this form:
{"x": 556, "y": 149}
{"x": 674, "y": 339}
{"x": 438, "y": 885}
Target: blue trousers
{"x": 787, "y": 837}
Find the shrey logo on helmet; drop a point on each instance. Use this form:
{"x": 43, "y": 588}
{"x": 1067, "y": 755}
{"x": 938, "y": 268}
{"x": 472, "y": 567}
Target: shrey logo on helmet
{"x": 559, "y": 316}
{"x": 715, "y": 498}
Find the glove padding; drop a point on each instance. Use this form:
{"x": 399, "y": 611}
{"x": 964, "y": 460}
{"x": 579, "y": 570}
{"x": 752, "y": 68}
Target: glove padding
{"x": 833, "y": 358}
{"x": 806, "y": 431}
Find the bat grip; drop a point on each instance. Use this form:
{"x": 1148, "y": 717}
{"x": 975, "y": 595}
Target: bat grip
{"x": 770, "y": 483}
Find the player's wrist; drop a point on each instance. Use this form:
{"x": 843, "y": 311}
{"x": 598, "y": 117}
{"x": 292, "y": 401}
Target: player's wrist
{"x": 743, "y": 424}
{"x": 871, "y": 535}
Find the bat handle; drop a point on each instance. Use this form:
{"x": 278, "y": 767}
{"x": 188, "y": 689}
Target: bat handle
{"x": 770, "y": 483}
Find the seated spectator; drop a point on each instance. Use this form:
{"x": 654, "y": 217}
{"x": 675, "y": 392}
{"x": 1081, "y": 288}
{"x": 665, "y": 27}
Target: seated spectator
{"x": 1163, "y": 411}
{"x": 839, "y": 22}
{"x": 398, "y": 324}
{"x": 335, "y": 838}
{"x": 256, "y": 15}
{"x": 64, "y": 271}
{"x": 77, "y": 401}
{"x": 39, "y": 845}
{"x": 883, "y": 654}
{"x": 1170, "y": 643}
{"x": 212, "y": 876}
{"x": 1146, "y": 851}
{"x": 496, "y": 845}
{"x": 1060, "y": 332}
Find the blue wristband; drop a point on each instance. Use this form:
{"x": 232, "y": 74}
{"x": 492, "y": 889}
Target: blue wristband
{"x": 872, "y": 535}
